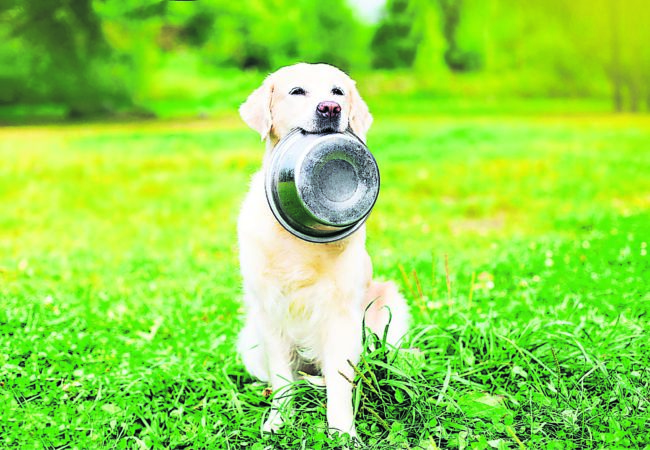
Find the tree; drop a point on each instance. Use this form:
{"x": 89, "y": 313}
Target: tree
{"x": 457, "y": 58}
{"x": 65, "y": 57}
{"x": 611, "y": 37}
{"x": 395, "y": 43}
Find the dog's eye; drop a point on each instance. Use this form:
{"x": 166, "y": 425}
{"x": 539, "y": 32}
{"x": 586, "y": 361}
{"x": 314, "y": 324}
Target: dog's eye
{"x": 297, "y": 91}
{"x": 337, "y": 91}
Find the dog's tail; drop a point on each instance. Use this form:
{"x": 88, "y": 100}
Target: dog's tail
{"x": 386, "y": 304}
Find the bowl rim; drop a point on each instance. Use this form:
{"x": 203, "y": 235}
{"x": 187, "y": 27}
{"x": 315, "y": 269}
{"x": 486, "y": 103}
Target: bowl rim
{"x": 271, "y": 192}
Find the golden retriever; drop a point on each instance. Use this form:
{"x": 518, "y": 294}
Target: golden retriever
{"x": 305, "y": 301}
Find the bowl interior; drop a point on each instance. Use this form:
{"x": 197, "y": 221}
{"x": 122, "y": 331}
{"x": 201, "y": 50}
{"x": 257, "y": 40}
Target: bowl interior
{"x": 338, "y": 181}
{"x": 321, "y": 188}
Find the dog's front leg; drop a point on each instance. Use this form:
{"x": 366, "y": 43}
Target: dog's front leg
{"x": 278, "y": 360}
{"x": 342, "y": 346}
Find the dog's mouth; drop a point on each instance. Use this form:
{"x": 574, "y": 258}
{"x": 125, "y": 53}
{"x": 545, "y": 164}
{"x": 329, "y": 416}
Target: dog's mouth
{"x": 325, "y": 130}
{"x": 328, "y": 128}
{"x": 319, "y": 131}
{"x": 326, "y": 125}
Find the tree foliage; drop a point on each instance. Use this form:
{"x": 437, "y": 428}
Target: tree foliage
{"x": 99, "y": 55}
{"x": 395, "y": 42}
{"x": 57, "y": 53}
{"x": 568, "y": 47}
{"x": 95, "y": 56}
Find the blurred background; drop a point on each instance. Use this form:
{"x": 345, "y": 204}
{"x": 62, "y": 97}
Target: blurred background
{"x": 84, "y": 58}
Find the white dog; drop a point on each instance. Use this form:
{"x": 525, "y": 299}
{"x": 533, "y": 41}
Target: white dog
{"x": 305, "y": 301}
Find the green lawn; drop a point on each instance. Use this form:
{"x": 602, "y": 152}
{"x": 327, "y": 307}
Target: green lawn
{"x": 521, "y": 243}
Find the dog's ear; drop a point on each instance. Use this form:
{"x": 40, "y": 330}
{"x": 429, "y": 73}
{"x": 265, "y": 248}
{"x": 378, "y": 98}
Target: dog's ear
{"x": 256, "y": 110}
{"x": 360, "y": 118}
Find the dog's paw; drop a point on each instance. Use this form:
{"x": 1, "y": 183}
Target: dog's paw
{"x": 273, "y": 423}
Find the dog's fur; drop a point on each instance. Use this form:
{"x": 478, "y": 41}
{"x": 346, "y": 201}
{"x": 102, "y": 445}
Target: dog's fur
{"x": 304, "y": 301}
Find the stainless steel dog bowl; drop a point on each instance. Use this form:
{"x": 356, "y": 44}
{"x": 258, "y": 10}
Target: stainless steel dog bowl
{"x": 321, "y": 187}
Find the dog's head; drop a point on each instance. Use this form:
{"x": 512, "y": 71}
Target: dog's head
{"x": 317, "y": 98}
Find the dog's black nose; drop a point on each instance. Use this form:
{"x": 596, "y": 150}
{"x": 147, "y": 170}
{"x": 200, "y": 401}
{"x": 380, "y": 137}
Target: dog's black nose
{"x": 329, "y": 110}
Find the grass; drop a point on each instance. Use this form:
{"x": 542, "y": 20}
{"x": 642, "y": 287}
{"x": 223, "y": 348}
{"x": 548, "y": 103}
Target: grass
{"x": 521, "y": 243}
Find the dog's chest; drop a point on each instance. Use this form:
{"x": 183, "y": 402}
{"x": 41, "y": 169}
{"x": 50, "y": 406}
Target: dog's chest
{"x": 312, "y": 281}
{"x": 308, "y": 281}
{"x": 297, "y": 281}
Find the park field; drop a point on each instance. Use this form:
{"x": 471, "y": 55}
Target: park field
{"x": 521, "y": 242}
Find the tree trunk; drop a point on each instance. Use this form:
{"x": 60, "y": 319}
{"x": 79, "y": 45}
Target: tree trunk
{"x": 616, "y": 58}
{"x": 633, "y": 87}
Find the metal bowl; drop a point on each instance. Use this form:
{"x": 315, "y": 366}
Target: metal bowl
{"x": 321, "y": 187}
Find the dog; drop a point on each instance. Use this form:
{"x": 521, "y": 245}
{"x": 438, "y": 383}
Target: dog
{"x": 305, "y": 302}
